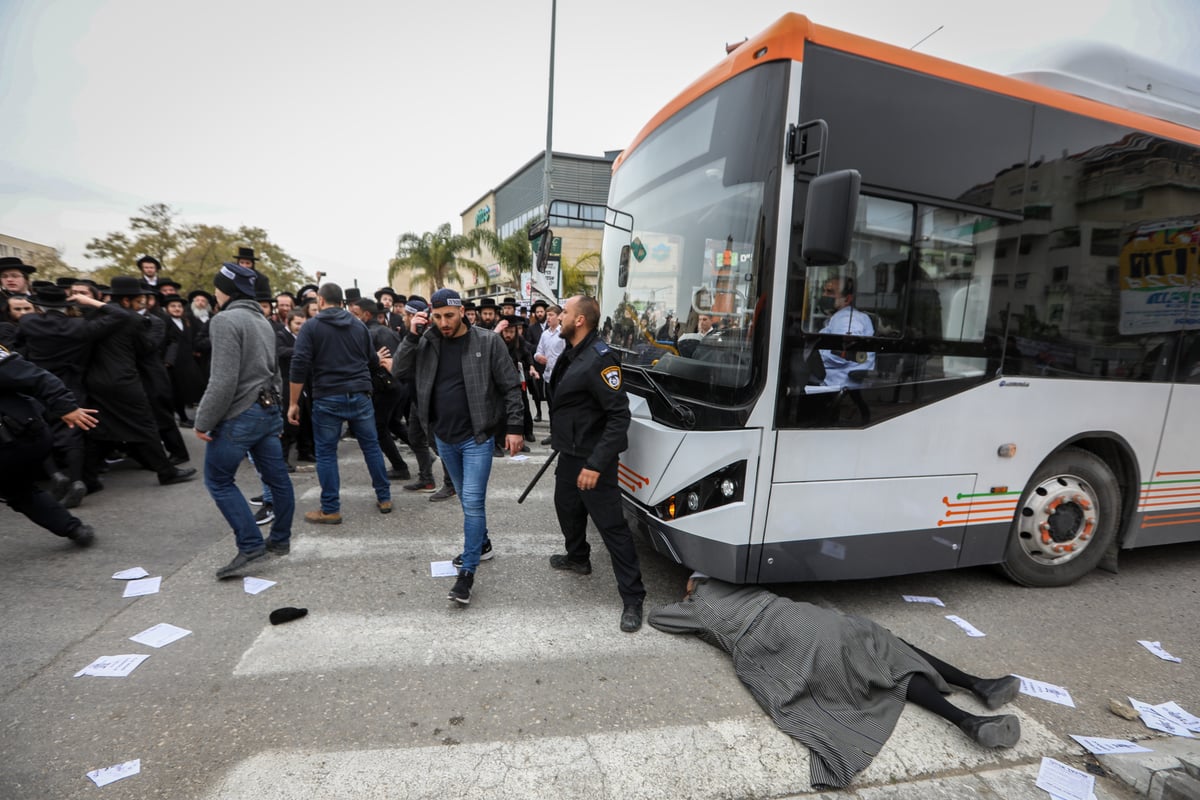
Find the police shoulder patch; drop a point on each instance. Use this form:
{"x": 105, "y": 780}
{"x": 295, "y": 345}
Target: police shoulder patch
{"x": 612, "y": 377}
{"x": 600, "y": 346}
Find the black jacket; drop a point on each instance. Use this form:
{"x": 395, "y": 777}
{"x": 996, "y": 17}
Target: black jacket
{"x": 335, "y": 350}
{"x": 590, "y": 414}
{"x": 25, "y": 391}
{"x": 62, "y": 344}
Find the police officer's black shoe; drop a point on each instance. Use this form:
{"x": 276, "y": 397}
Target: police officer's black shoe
{"x": 75, "y": 494}
{"x": 176, "y": 475}
{"x": 461, "y": 593}
{"x": 559, "y": 561}
{"x": 60, "y": 484}
{"x": 239, "y": 563}
{"x": 631, "y": 617}
{"x": 83, "y": 535}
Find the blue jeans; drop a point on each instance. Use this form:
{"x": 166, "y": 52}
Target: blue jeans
{"x": 470, "y": 465}
{"x": 328, "y": 414}
{"x": 255, "y": 431}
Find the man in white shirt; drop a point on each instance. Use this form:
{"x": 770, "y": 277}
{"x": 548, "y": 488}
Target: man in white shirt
{"x": 837, "y": 297}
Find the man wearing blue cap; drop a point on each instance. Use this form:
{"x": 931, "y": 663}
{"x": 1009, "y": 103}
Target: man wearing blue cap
{"x": 239, "y": 414}
{"x": 467, "y": 389}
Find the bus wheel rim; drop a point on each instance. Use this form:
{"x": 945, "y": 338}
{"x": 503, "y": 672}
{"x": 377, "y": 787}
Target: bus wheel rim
{"x": 1058, "y": 519}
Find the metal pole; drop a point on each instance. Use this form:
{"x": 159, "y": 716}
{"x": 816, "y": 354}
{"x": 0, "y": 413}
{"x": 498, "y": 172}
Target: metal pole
{"x": 547, "y": 166}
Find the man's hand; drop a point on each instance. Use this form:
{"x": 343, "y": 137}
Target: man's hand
{"x": 501, "y": 325}
{"x": 587, "y": 479}
{"x": 533, "y": 373}
{"x": 82, "y": 418}
{"x": 86, "y": 300}
{"x": 294, "y": 414}
{"x": 420, "y": 318}
{"x": 385, "y": 358}
{"x": 514, "y": 442}
{"x": 204, "y": 437}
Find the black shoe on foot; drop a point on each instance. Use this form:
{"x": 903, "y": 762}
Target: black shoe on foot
{"x": 1002, "y": 731}
{"x": 484, "y": 555}
{"x": 461, "y": 593}
{"x": 257, "y": 500}
{"x": 278, "y": 549}
{"x": 179, "y": 458}
{"x": 546, "y": 440}
{"x": 631, "y": 617}
{"x": 265, "y": 515}
{"x": 498, "y": 452}
{"x": 239, "y": 563}
{"x": 82, "y": 535}
{"x": 559, "y": 561}
{"x": 176, "y": 476}
{"x": 995, "y": 692}
{"x": 444, "y": 493}
{"x": 401, "y": 474}
{"x": 59, "y": 486}
{"x": 75, "y": 494}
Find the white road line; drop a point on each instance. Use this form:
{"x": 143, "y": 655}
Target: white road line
{"x": 327, "y": 544}
{"x": 544, "y": 493}
{"x": 745, "y": 757}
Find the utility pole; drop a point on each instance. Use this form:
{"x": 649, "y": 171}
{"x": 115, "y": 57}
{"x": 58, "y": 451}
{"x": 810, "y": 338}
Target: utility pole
{"x": 547, "y": 165}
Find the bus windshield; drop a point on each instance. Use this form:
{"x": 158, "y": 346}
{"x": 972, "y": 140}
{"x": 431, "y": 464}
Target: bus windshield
{"x": 701, "y": 193}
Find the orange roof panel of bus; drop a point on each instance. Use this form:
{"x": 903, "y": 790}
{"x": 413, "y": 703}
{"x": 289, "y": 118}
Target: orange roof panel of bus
{"x": 785, "y": 39}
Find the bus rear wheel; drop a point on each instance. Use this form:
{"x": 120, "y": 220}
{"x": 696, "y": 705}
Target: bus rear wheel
{"x": 1066, "y": 520}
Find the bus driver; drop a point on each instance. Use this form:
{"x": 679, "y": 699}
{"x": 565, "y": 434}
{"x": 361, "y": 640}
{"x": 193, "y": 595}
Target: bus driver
{"x": 837, "y": 300}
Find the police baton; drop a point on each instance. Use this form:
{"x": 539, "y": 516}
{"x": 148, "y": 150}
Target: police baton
{"x": 537, "y": 477}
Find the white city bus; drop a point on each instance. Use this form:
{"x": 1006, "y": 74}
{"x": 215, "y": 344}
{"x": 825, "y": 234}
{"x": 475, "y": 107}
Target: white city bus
{"x": 1028, "y": 259}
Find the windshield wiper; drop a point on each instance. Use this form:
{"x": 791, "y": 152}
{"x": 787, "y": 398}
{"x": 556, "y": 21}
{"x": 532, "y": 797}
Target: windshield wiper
{"x": 682, "y": 412}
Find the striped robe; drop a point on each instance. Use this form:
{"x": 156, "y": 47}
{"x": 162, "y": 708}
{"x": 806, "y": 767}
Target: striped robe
{"x": 835, "y": 682}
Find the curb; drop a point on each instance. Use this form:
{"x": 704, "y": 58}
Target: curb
{"x": 1171, "y": 772}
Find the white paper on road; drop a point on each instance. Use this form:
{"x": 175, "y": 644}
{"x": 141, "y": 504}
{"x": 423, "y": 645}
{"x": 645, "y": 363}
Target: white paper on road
{"x": 256, "y": 585}
{"x": 142, "y": 587}
{"x": 966, "y": 626}
{"x": 916, "y": 598}
{"x": 106, "y": 775}
{"x": 1103, "y": 747}
{"x": 520, "y": 457}
{"x": 1154, "y": 717}
{"x": 1065, "y": 782}
{"x": 442, "y": 569}
{"x": 1173, "y": 710}
{"x": 1046, "y": 691}
{"x": 161, "y": 634}
{"x": 1157, "y": 649}
{"x": 112, "y": 666}
{"x": 130, "y": 574}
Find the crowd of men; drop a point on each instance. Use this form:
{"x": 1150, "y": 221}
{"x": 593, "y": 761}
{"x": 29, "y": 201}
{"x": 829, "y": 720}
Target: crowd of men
{"x": 96, "y": 373}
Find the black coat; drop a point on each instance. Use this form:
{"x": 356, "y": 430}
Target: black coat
{"x": 187, "y": 379}
{"x": 590, "y": 415}
{"x": 114, "y": 385}
{"x": 62, "y": 345}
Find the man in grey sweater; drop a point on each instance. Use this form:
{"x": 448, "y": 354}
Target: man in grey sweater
{"x": 240, "y": 414}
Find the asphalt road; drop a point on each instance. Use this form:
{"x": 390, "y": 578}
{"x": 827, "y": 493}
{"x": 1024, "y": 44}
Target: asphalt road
{"x": 386, "y": 690}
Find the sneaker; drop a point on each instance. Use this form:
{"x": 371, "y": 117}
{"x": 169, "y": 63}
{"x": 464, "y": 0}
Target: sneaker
{"x": 559, "y": 561}
{"x": 631, "y": 617}
{"x": 75, "y": 494}
{"x": 399, "y": 474}
{"x": 384, "y": 506}
{"x": 82, "y": 535}
{"x": 257, "y": 500}
{"x": 239, "y": 563}
{"x": 319, "y": 517}
{"x": 444, "y": 493}
{"x": 484, "y": 555}
{"x": 278, "y": 548}
{"x": 265, "y": 514}
{"x": 461, "y": 593}
{"x": 420, "y": 486}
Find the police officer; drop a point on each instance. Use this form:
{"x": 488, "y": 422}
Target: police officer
{"x": 25, "y": 390}
{"x": 588, "y": 423}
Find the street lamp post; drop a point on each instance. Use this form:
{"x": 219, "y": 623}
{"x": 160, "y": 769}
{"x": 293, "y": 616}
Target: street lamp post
{"x": 547, "y": 165}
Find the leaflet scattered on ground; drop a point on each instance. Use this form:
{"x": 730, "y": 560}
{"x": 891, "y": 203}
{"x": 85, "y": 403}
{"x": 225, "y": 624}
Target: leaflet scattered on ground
{"x": 106, "y": 775}
{"x": 442, "y": 569}
{"x": 256, "y": 585}
{"x": 1163, "y": 717}
{"x": 916, "y": 598}
{"x": 142, "y": 587}
{"x": 1065, "y": 782}
{"x": 1157, "y": 649}
{"x": 1106, "y": 747}
{"x": 966, "y": 626}
{"x": 130, "y": 574}
{"x": 161, "y": 634}
{"x": 1046, "y": 691}
{"x": 112, "y": 666}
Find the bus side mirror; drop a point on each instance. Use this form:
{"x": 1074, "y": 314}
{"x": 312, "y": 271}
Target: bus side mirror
{"x": 623, "y": 268}
{"x": 543, "y": 253}
{"x": 829, "y": 215}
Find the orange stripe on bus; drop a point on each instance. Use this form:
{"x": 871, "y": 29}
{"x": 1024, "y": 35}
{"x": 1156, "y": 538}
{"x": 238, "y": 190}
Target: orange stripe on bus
{"x": 624, "y": 482}
{"x": 1169, "y": 516}
{"x": 942, "y": 522}
{"x": 621, "y": 466}
{"x": 1179, "y": 472}
{"x": 978, "y": 503}
{"x": 1148, "y": 524}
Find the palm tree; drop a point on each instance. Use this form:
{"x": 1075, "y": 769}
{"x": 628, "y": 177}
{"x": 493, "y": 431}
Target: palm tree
{"x": 513, "y": 253}
{"x": 433, "y": 256}
{"x": 574, "y": 281}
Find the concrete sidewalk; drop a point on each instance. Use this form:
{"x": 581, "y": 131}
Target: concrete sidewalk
{"x": 1171, "y": 772}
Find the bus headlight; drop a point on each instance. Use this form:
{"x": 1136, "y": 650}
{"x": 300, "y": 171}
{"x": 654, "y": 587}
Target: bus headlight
{"x": 724, "y": 486}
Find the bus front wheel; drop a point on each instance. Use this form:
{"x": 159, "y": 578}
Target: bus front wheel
{"x": 1066, "y": 520}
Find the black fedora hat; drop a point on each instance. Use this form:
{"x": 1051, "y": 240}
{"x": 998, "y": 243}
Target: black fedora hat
{"x": 509, "y": 301}
{"x": 50, "y": 297}
{"x": 262, "y": 289}
{"x": 487, "y": 302}
{"x": 194, "y": 293}
{"x": 388, "y": 291}
{"x": 127, "y": 286}
{"x": 245, "y": 253}
{"x": 166, "y": 299}
{"x": 163, "y": 282}
{"x": 353, "y": 294}
{"x": 12, "y": 262}
{"x": 64, "y": 281}
{"x": 306, "y": 288}
{"x": 151, "y": 259}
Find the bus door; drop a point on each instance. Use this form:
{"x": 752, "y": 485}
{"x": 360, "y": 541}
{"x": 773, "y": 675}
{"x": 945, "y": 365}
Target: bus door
{"x": 1169, "y": 501}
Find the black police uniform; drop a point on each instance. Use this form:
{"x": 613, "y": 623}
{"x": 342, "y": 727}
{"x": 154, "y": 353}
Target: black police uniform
{"x": 588, "y": 426}
{"x": 25, "y": 391}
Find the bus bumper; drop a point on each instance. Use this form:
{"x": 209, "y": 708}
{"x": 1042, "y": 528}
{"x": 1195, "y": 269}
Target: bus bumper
{"x": 720, "y": 560}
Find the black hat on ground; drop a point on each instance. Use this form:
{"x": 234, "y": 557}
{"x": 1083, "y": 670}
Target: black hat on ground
{"x": 49, "y": 297}
{"x": 246, "y": 253}
{"x": 127, "y": 286}
{"x": 287, "y": 614}
{"x": 11, "y": 262}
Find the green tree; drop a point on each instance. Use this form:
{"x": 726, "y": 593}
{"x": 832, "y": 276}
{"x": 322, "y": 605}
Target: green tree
{"x": 574, "y": 275}
{"x": 513, "y": 253}
{"x": 433, "y": 258}
{"x": 52, "y": 266}
{"x": 190, "y": 253}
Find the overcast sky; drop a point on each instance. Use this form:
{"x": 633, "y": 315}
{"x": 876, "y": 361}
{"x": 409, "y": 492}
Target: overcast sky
{"x": 338, "y": 126}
